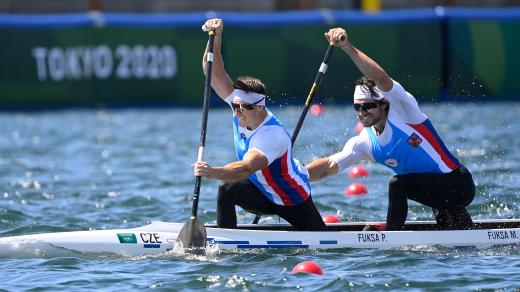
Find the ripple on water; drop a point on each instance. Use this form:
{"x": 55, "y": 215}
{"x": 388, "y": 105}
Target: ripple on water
{"x": 124, "y": 168}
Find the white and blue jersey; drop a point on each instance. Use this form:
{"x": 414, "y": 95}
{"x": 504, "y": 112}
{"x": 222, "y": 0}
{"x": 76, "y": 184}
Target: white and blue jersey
{"x": 285, "y": 180}
{"x": 408, "y": 144}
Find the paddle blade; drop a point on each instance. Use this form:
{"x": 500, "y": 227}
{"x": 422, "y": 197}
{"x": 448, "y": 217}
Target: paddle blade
{"x": 193, "y": 235}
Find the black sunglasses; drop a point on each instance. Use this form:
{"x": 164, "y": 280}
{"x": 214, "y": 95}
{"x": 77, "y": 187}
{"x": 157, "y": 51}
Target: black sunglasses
{"x": 241, "y": 107}
{"x": 365, "y": 106}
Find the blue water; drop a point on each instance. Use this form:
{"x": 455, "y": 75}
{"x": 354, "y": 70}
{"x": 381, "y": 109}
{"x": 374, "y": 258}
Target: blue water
{"x": 114, "y": 168}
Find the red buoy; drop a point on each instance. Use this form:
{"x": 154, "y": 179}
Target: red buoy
{"x": 330, "y": 219}
{"x": 359, "y": 127}
{"x": 317, "y": 109}
{"x": 358, "y": 171}
{"x": 375, "y": 227}
{"x": 308, "y": 267}
{"x": 356, "y": 189}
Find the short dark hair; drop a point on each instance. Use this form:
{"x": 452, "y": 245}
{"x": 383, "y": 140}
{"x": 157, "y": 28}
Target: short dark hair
{"x": 368, "y": 85}
{"x": 249, "y": 84}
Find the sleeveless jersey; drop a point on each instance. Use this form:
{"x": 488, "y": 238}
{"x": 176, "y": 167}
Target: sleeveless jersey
{"x": 284, "y": 181}
{"x": 413, "y": 149}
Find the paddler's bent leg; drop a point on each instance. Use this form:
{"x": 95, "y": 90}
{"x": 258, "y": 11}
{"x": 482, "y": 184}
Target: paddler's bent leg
{"x": 450, "y": 193}
{"x": 304, "y": 217}
{"x": 244, "y": 194}
{"x": 452, "y": 213}
{"x": 397, "y": 205}
{"x": 454, "y": 218}
{"x": 462, "y": 218}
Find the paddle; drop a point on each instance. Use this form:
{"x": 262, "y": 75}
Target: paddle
{"x": 193, "y": 233}
{"x": 323, "y": 68}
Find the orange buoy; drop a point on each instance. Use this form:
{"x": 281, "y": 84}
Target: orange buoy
{"x": 317, "y": 109}
{"x": 308, "y": 267}
{"x": 375, "y": 227}
{"x": 356, "y": 189}
{"x": 359, "y": 127}
{"x": 330, "y": 219}
{"x": 358, "y": 171}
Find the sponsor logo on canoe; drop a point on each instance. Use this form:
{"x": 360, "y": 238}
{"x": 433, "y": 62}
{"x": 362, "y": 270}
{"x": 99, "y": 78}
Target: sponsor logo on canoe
{"x": 127, "y": 238}
{"x": 414, "y": 140}
{"x": 502, "y": 234}
{"x": 371, "y": 237}
{"x": 148, "y": 245}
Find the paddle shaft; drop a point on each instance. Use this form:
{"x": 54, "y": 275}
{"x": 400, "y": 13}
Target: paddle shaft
{"x": 323, "y": 68}
{"x": 205, "y": 109}
{"x": 312, "y": 93}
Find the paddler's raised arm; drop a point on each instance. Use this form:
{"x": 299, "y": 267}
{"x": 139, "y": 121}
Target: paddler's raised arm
{"x": 338, "y": 36}
{"x": 220, "y": 80}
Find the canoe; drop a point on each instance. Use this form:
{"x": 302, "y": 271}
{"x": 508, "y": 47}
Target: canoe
{"x": 160, "y": 237}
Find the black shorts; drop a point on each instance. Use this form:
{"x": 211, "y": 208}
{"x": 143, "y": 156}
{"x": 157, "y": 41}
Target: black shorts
{"x": 447, "y": 194}
{"x": 245, "y": 194}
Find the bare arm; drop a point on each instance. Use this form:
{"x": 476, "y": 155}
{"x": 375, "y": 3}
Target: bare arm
{"x": 235, "y": 171}
{"x": 321, "y": 168}
{"x": 220, "y": 80}
{"x": 365, "y": 64}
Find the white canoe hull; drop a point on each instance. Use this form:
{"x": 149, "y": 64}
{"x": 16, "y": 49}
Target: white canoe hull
{"x": 160, "y": 237}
